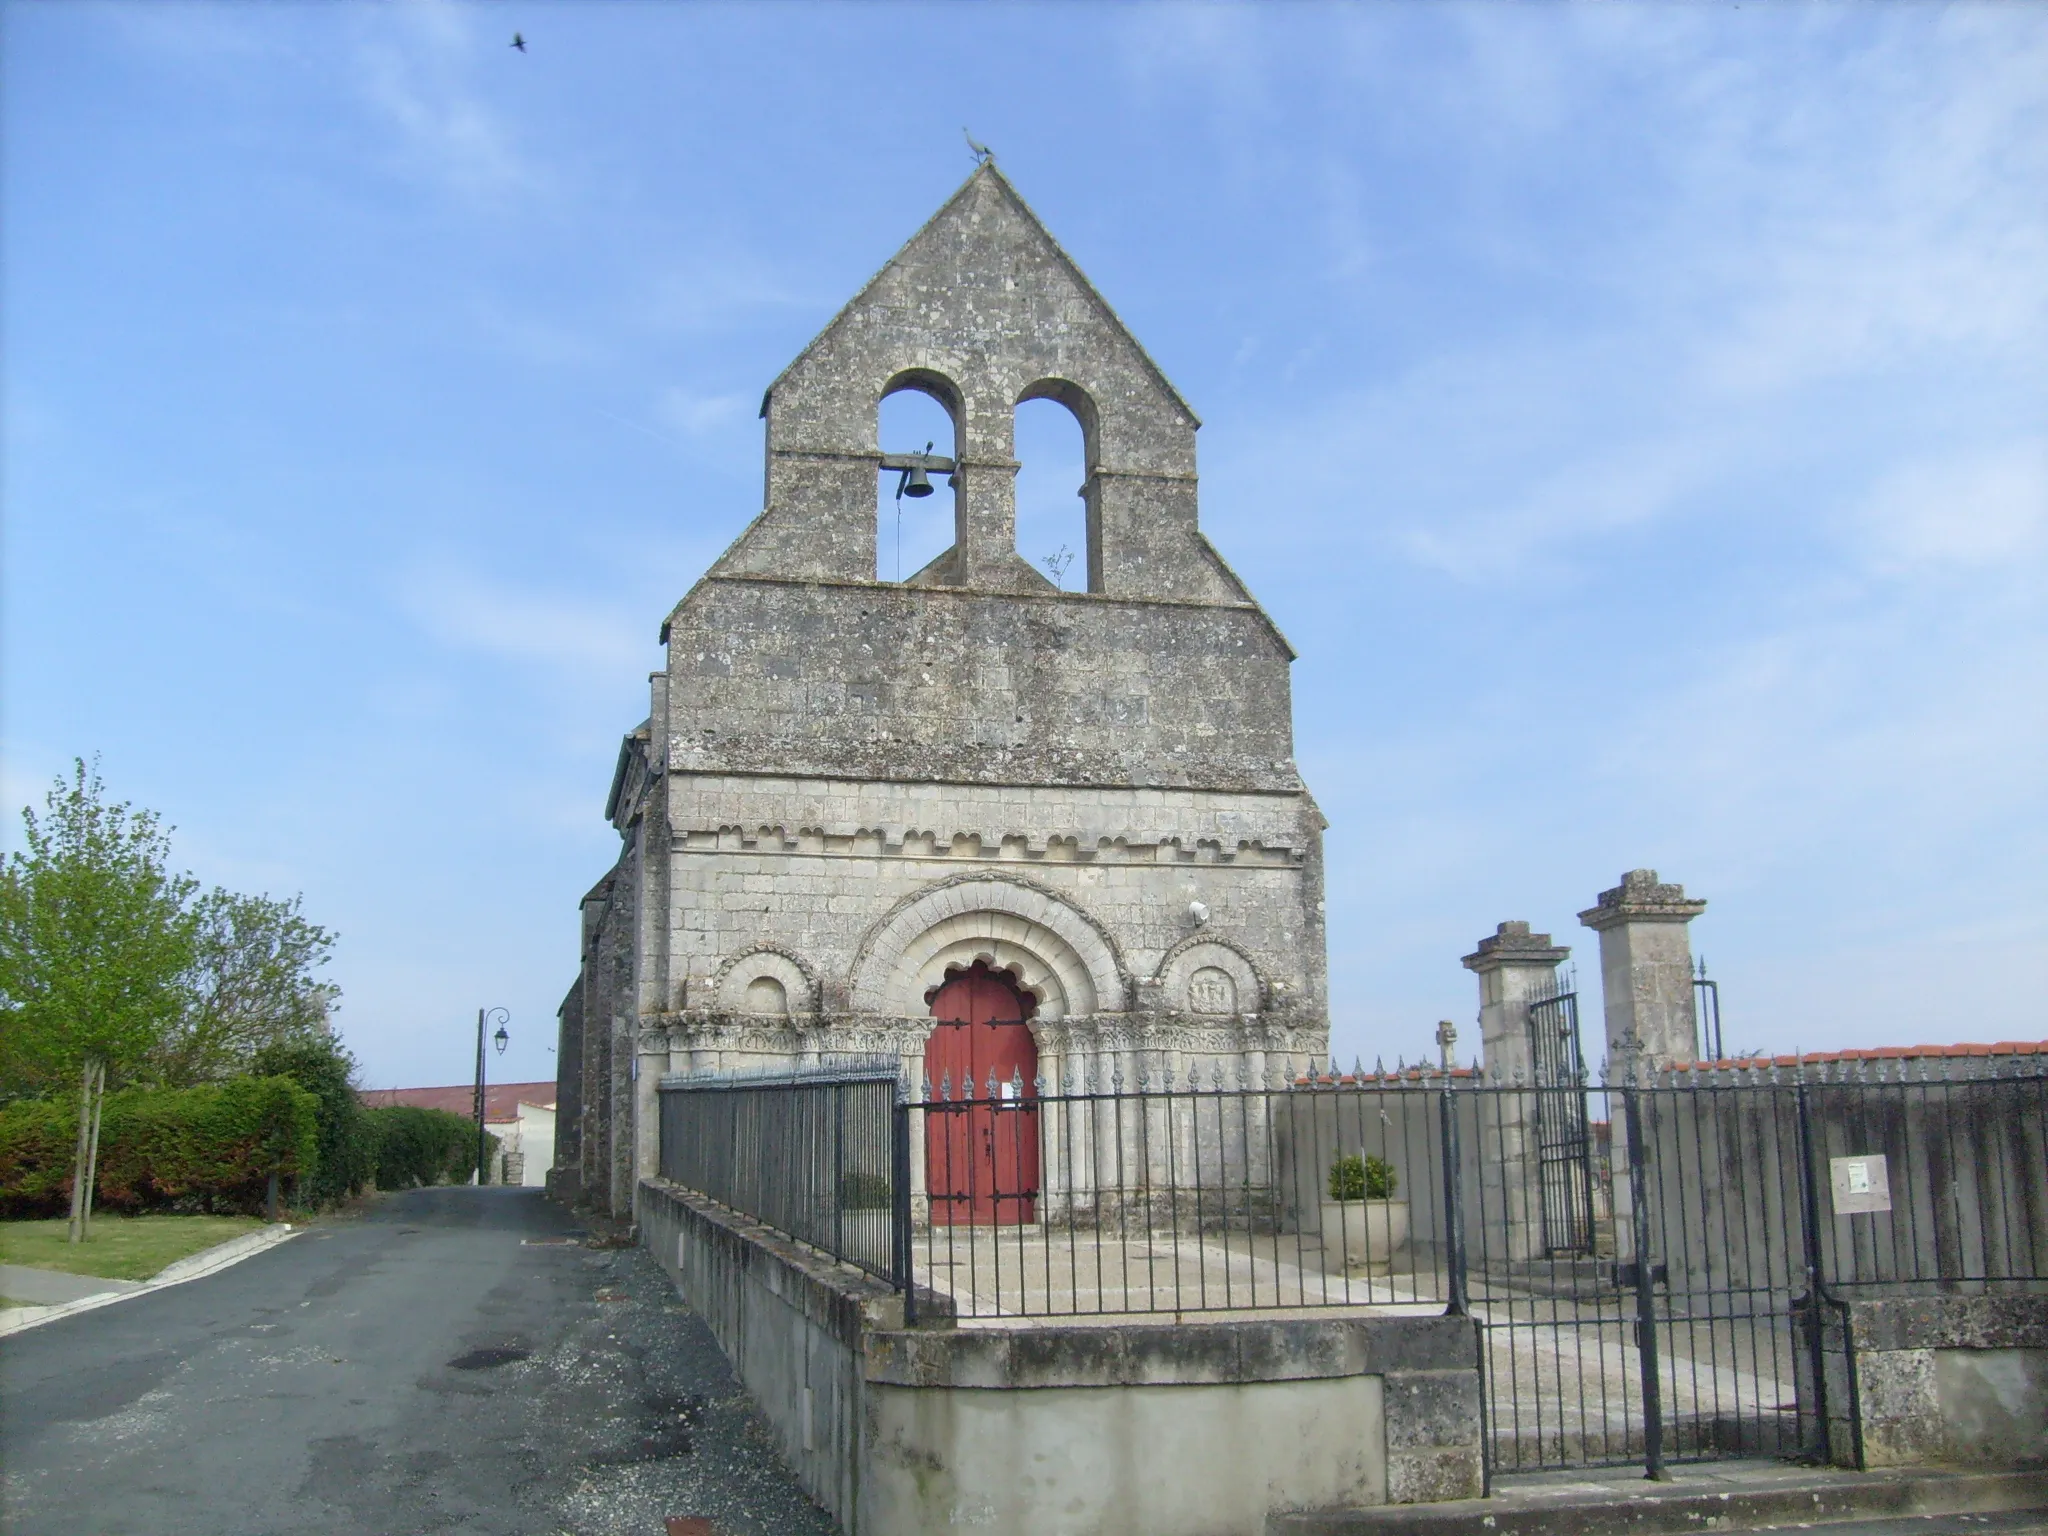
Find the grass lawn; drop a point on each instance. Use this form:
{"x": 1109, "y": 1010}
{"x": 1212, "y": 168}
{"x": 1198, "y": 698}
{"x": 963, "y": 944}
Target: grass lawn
{"x": 121, "y": 1247}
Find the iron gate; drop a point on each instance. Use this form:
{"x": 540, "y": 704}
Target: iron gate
{"x": 1564, "y": 1138}
{"x": 1708, "y": 1320}
{"x": 1674, "y": 1332}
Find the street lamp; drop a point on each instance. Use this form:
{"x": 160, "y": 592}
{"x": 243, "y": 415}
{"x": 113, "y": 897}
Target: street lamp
{"x": 501, "y": 1040}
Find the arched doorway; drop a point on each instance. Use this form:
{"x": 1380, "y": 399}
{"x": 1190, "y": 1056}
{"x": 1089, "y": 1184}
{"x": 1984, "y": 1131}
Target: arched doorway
{"x": 981, "y": 1145}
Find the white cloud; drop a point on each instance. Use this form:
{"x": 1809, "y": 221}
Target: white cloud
{"x": 467, "y": 611}
{"x": 717, "y": 289}
{"x": 1975, "y": 510}
{"x": 414, "y": 73}
{"x": 1841, "y": 229}
{"x": 194, "y": 35}
{"x": 697, "y": 415}
{"x": 1519, "y": 534}
{"x": 1877, "y": 736}
{"x": 1880, "y": 226}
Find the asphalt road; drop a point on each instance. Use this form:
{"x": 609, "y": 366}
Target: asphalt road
{"x": 446, "y": 1362}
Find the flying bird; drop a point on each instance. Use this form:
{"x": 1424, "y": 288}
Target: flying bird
{"x": 982, "y": 153}
{"x": 519, "y": 41}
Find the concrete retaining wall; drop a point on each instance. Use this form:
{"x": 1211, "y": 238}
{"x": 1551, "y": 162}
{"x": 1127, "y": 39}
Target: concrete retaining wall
{"x": 1960, "y": 1379}
{"x": 1200, "y": 1429}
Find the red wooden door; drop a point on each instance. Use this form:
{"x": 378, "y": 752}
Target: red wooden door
{"x": 981, "y": 1155}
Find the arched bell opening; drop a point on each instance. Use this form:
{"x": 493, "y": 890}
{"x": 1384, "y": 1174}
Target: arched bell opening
{"x": 1054, "y": 436}
{"x": 916, "y": 507}
{"x": 981, "y": 1126}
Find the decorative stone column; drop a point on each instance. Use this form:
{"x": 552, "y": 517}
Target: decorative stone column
{"x": 1512, "y": 964}
{"x": 1646, "y": 971}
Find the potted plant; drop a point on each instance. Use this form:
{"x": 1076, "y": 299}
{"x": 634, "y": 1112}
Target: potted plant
{"x": 1363, "y": 1224}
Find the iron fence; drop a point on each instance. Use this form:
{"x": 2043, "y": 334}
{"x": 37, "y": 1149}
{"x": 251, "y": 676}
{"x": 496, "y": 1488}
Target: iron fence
{"x": 813, "y": 1156}
{"x": 1727, "y": 1217}
{"x": 1934, "y": 1185}
{"x": 1172, "y": 1199}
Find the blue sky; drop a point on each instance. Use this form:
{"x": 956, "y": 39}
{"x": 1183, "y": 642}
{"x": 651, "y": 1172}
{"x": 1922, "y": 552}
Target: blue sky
{"x": 1634, "y": 415}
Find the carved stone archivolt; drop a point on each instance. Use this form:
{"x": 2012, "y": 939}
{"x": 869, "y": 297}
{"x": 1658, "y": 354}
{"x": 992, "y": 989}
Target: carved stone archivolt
{"x": 1208, "y": 976}
{"x": 765, "y": 982}
{"x": 1062, "y": 956}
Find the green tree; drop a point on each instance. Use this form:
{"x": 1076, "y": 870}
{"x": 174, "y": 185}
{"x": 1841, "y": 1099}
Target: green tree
{"x": 251, "y": 986}
{"x": 96, "y": 950}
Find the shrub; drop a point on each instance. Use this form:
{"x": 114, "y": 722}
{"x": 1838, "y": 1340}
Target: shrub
{"x": 866, "y": 1192}
{"x": 348, "y": 1156}
{"x": 36, "y": 1144}
{"x": 210, "y": 1148}
{"x": 413, "y": 1146}
{"x": 1362, "y": 1178}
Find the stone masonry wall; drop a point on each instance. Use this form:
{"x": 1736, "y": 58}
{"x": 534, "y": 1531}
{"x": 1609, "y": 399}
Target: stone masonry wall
{"x": 847, "y": 789}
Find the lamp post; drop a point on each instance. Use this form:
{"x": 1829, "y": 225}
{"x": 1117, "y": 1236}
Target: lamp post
{"x": 500, "y": 1040}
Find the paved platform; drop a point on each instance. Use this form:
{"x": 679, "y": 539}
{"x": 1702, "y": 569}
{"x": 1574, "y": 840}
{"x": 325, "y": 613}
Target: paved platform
{"x": 1048, "y": 1271}
{"x": 54, "y": 1287}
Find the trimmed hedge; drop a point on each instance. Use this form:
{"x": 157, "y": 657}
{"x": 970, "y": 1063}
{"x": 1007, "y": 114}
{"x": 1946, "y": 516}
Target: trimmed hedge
{"x": 348, "y": 1149}
{"x": 210, "y": 1148}
{"x": 424, "y": 1146}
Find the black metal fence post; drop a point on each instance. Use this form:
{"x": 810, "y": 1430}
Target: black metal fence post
{"x": 838, "y": 1173}
{"x": 1457, "y": 1303}
{"x": 1646, "y": 1295}
{"x": 900, "y": 1215}
{"x": 1816, "y": 1315}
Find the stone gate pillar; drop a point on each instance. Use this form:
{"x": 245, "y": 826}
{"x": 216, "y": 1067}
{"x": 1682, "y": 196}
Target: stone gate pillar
{"x": 1512, "y": 965}
{"x": 1646, "y": 993}
{"x": 1646, "y": 972}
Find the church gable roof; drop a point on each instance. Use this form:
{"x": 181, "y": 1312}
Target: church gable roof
{"x": 984, "y": 219}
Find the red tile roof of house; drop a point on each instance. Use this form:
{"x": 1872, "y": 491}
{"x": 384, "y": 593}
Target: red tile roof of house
{"x": 1407, "y": 1074}
{"x": 501, "y": 1100}
{"x": 1873, "y": 1053}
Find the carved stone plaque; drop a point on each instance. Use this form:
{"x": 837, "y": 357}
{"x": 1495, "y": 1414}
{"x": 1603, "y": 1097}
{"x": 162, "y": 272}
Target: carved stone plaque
{"x": 1212, "y": 991}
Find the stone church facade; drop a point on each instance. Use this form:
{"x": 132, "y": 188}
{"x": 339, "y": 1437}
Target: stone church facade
{"x": 849, "y": 790}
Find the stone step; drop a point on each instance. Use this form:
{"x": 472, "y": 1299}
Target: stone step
{"x": 1724, "y": 1496}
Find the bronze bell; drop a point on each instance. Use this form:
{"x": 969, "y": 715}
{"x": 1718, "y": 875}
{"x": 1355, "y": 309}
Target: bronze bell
{"x": 915, "y": 482}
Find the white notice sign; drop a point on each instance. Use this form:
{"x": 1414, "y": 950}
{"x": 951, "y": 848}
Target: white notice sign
{"x": 1860, "y": 1184}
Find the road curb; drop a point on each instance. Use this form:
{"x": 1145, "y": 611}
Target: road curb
{"x": 1821, "y": 1501}
{"x": 194, "y": 1266}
